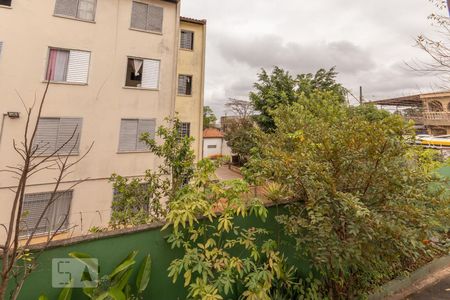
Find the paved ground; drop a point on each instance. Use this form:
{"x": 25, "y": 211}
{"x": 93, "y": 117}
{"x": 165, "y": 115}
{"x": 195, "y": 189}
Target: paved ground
{"x": 225, "y": 174}
{"x": 437, "y": 291}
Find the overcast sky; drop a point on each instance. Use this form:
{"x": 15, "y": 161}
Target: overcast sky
{"x": 368, "y": 41}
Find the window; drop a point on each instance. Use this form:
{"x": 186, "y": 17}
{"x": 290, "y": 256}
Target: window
{"x": 212, "y": 146}
{"x": 61, "y": 134}
{"x": 70, "y": 66}
{"x": 143, "y": 73}
{"x": 131, "y": 131}
{"x": 185, "y": 85}
{"x": 5, "y": 2}
{"x": 146, "y": 17}
{"x": 1, "y": 47}
{"x": 79, "y": 9}
{"x": 55, "y": 218}
{"x": 185, "y": 129}
{"x": 187, "y": 40}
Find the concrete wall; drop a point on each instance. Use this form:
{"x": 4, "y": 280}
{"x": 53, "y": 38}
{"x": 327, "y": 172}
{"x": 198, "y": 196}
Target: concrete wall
{"x": 28, "y": 29}
{"x": 190, "y": 108}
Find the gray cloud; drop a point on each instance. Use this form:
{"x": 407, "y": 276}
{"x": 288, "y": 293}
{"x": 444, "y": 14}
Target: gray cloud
{"x": 270, "y": 50}
{"x": 368, "y": 42}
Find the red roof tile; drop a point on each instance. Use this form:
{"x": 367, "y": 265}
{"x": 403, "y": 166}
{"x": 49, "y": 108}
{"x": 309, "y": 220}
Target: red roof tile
{"x": 212, "y": 133}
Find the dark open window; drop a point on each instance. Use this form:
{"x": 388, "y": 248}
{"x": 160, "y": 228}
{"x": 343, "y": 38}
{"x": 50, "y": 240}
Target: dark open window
{"x": 5, "y": 2}
{"x": 134, "y": 72}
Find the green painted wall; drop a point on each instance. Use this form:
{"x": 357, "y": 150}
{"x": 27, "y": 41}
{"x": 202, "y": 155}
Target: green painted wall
{"x": 110, "y": 251}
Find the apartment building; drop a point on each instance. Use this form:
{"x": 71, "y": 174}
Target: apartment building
{"x": 117, "y": 69}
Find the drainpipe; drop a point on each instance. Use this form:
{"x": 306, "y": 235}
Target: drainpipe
{"x": 1, "y": 128}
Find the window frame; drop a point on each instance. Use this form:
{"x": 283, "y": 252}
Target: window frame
{"x": 45, "y": 80}
{"x": 192, "y": 42}
{"x": 7, "y": 6}
{"x": 125, "y": 86}
{"x": 76, "y": 18}
{"x": 66, "y": 224}
{"x": 145, "y": 30}
{"x": 119, "y": 151}
{"x": 76, "y": 151}
{"x": 192, "y": 86}
{"x": 187, "y": 130}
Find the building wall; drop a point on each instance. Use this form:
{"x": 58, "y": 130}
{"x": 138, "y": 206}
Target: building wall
{"x": 217, "y": 143}
{"x": 27, "y": 30}
{"x": 190, "y": 108}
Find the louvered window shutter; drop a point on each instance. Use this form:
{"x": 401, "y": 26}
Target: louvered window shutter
{"x": 60, "y": 209}
{"x": 86, "y": 9}
{"x": 78, "y": 69}
{"x": 66, "y": 8}
{"x": 143, "y": 127}
{"x": 139, "y": 16}
{"x": 155, "y": 18}
{"x": 46, "y": 136}
{"x": 55, "y": 217}
{"x": 69, "y": 132}
{"x": 128, "y": 135}
{"x": 150, "y": 74}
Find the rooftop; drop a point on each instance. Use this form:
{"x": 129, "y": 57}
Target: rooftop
{"x": 413, "y": 100}
{"x": 191, "y": 20}
{"x": 212, "y": 133}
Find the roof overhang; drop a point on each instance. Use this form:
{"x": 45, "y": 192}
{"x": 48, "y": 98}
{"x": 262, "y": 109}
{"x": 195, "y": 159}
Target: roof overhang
{"x": 191, "y": 20}
{"x": 407, "y": 101}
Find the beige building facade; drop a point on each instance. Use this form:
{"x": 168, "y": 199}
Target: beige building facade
{"x": 430, "y": 112}
{"x": 114, "y": 71}
{"x": 191, "y": 78}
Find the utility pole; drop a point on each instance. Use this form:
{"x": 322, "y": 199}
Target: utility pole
{"x": 361, "y": 99}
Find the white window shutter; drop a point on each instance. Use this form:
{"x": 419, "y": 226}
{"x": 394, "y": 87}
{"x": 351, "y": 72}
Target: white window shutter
{"x": 128, "y": 134}
{"x": 150, "y": 74}
{"x": 78, "y": 69}
{"x": 69, "y": 136}
{"x": 143, "y": 127}
{"x": 54, "y": 218}
{"x": 46, "y": 136}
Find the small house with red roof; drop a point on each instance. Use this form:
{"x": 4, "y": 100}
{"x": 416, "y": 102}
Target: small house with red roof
{"x": 214, "y": 144}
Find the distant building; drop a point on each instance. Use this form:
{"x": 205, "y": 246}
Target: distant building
{"x": 430, "y": 112}
{"x": 214, "y": 143}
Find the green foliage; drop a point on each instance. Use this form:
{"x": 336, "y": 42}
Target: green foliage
{"x": 362, "y": 207}
{"x": 138, "y": 200}
{"x": 241, "y": 138}
{"x": 280, "y": 89}
{"x": 116, "y": 285}
{"x": 209, "y": 118}
{"x": 210, "y": 267}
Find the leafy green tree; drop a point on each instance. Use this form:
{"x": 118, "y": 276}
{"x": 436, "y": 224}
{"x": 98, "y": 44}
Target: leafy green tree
{"x": 239, "y": 129}
{"x": 280, "y": 88}
{"x": 209, "y": 118}
{"x": 362, "y": 207}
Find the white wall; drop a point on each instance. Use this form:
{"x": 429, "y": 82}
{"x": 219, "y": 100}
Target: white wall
{"x": 211, "y": 142}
